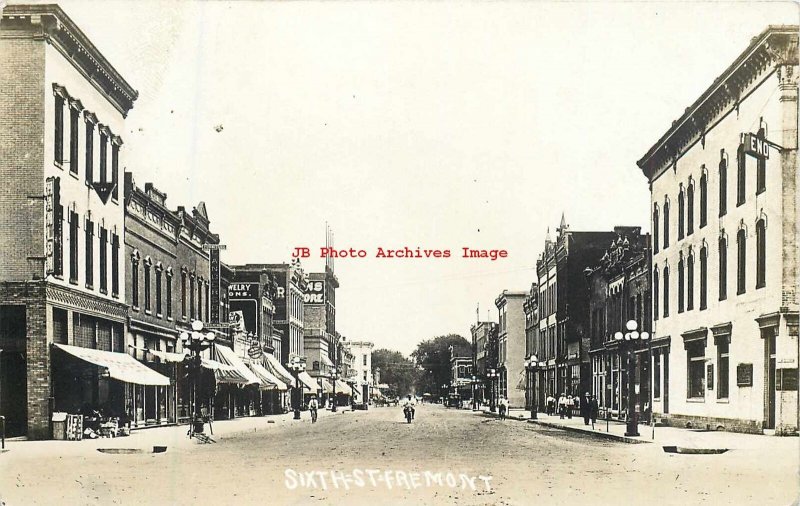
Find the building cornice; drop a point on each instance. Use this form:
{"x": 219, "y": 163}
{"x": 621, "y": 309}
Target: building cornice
{"x": 51, "y": 23}
{"x": 775, "y": 46}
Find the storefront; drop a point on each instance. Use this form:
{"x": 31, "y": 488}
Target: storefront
{"x": 100, "y": 384}
{"x": 238, "y": 388}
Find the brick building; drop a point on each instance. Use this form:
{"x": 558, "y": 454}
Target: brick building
{"x": 723, "y": 182}
{"x": 562, "y": 310}
{"x": 531, "y": 309}
{"x": 619, "y": 291}
{"x": 61, "y": 271}
{"x": 511, "y": 347}
{"x": 482, "y": 357}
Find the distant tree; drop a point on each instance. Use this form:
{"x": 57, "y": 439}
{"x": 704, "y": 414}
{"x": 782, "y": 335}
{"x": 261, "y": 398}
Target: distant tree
{"x": 433, "y": 357}
{"x": 396, "y": 370}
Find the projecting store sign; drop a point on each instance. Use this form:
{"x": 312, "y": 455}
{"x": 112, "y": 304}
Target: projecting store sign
{"x": 315, "y": 293}
{"x": 755, "y": 146}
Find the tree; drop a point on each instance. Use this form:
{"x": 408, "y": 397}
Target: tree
{"x": 433, "y": 356}
{"x": 396, "y": 371}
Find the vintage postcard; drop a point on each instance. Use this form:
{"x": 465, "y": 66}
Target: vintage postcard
{"x": 398, "y": 252}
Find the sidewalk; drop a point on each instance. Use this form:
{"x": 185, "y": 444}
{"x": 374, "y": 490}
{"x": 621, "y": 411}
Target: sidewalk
{"x": 174, "y": 437}
{"x": 661, "y": 436}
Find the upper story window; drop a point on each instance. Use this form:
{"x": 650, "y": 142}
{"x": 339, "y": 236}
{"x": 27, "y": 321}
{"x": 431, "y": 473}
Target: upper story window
{"x": 680, "y": 284}
{"x": 91, "y": 120}
{"x": 74, "y": 113}
{"x": 723, "y": 267}
{"x": 741, "y": 175}
{"x": 666, "y": 222}
{"x": 135, "y": 280}
{"x": 114, "y": 265}
{"x": 655, "y": 227}
{"x": 690, "y": 208}
{"x": 723, "y": 184}
{"x": 690, "y": 281}
{"x": 703, "y": 198}
{"x": 73, "y": 247}
{"x": 58, "y": 138}
{"x": 666, "y": 291}
{"x": 741, "y": 271}
{"x": 761, "y": 253}
{"x": 761, "y": 167}
{"x": 681, "y": 211}
{"x": 89, "y": 246}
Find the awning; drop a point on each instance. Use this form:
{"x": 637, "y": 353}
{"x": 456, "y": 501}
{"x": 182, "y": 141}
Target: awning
{"x": 274, "y": 366}
{"x": 326, "y": 360}
{"x": 327, "y": 388}
{"x": 268, "y": 380}
{"x": 215, "y": 366}
{"x": 241, "y": 373}
{"x": 167, "y": 356}
{"x": 342, "y": 387}
{"x": 120, "y": 366}
{"x": 308, "y": 381}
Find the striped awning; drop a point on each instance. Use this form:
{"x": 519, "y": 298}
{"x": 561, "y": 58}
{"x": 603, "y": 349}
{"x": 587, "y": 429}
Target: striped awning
{"x": 241, "y": 374}
{"x": 120, "y": 366}
{"x": 268, "y": 380}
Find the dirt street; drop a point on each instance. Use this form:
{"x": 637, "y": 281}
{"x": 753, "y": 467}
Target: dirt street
{"x": 445, "y": 457}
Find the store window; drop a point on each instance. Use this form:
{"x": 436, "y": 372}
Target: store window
{"x": 695, "y": 369}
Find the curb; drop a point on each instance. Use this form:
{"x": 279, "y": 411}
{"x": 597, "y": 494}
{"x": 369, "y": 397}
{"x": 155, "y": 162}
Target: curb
{"x": 606, "y": 435}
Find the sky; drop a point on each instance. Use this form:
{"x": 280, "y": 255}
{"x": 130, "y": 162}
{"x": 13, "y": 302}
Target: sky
{"x": 437, "y": 125}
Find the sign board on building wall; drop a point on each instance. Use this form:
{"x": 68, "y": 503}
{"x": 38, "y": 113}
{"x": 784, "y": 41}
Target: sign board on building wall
{"x": 755, "y": 146}
{"x": 280, "y": 296}
{"x": 786, "y": 379}
{"x": 315, "y": 293}
{"x": 710, "y": 377}
{"x": 49, "y": 203}
{"x": 243, "y": 300}
{"x": 744, "y": 375}
{"x": 214, "y": 275}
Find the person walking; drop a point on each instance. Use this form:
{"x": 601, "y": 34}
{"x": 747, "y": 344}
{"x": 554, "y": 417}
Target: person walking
{"x": 562, "y": 405}
{"x": 551, "y": 404}
{"x": 594, "y": 409}
{"x": 503, "y": 408}
{"x": 586, "y": 408}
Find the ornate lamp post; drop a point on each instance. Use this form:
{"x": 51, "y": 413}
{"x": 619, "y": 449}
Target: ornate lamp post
{"x": 297, "y": 366}
{"x": 196, "y": 341}
{"x": 531, "y": 363}
{"x": 492, "y": 375}
{"x": 630, "y": 337}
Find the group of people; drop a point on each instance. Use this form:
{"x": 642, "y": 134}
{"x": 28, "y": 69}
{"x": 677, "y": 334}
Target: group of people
{"x": 566, "y": 403}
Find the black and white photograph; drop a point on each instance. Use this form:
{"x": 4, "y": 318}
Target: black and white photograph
{"x": 399, "y": 252}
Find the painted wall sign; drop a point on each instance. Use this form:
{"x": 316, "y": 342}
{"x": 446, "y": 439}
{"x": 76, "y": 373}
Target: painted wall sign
{"x": 755, "y": 146}
{"x": 744, "y": 375}
{"x": 315, "y": 293}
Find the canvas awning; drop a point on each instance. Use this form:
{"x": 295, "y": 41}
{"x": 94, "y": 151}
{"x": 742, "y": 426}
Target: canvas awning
{"x": 327, "y": 388}
{"x": 308, "y": 382}
{"x": 214, "y": 365}
{"x": 326, "y": 360}
{"x": 268, "y": 380}
{"x": 342, "y": 387}
{"x": 241, "y": 374}
{"x": 274, "y": 366}
{"x": 120, "y": 366}
{"x": 167, "y": 356}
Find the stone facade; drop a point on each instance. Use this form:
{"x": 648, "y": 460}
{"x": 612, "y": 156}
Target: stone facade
{"x": 723, "y": 184}
{"x": 511, "y": 347}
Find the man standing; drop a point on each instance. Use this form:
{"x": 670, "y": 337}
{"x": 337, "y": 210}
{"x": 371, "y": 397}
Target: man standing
{"x": 586, "y": 408}
{"x": 503, "y": 408}
{"x": 593, "y": 410}
{"x": 562, "y": 405}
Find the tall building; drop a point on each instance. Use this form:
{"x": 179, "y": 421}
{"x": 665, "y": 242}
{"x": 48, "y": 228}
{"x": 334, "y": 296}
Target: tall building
{"x": 362, "y": 364}
{"x": 723, "y": 182}
{"x": 531, "y": 309}
{"x": 562, "y": 309}
{"x": 481, "y": 351}
{"x": 62, "y": 273}
{"x": 320, "y": 340}
{"x": 511, "y": 347}
{"x": 619, "y": 291}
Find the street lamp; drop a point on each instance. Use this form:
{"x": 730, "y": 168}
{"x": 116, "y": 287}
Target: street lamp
{"x": 196, "y": 341}
{"x": 492, "y": 375}
{"x": 297, "y": 366}
{"x": 631, "y": 336}
{"x": 530, "y": 365}
{"x": 333, "y": 377}
{"x": 474, "y": 396}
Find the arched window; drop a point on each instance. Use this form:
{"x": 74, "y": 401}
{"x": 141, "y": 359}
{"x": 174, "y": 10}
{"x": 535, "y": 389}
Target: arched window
{"x": 690, "y": 281}
{"x": 681, "y": 212}
{"x": 666, "y": 223}
{"x": 703, "y": 277}
{"x": 656, "y": 294}
{"x": 741, "y": 267}
{"x": 761, "y": 167}
{"x": 723, "y": 185}
{"x": 666, "y": 291}
{"x": 135, "y": 279}
{"x": 741, "y": 176}
{"x": 680, "y": 284}
{"x": 655, "y": 228}
{"x": 703, "y": 199}
{"x": 761, "y": 253}
{"x": 690, "y": 208}
{"x": 723, "y": 268}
